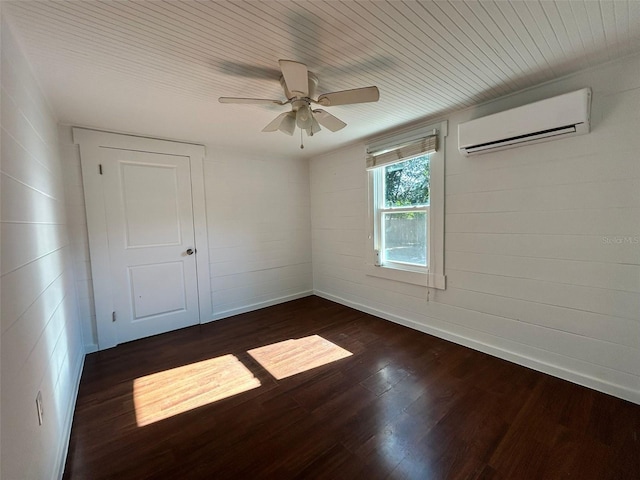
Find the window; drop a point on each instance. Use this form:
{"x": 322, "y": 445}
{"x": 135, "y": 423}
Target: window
{"x": 402, "y": 197}
{"x": 406, "y": 186}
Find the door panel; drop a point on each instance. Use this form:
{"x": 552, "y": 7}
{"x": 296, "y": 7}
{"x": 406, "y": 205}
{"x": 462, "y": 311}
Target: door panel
{"x": 157, "y": 289}
{"x": 151, "y": 214}
{"x": 150, "y": 228}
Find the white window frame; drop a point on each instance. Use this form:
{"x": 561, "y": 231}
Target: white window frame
{"x": 379, "y": 212}
{"x": 431, "y": 276}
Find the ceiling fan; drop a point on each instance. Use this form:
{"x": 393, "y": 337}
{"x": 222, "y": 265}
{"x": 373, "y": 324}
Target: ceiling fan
{"x": 299, "y": 85}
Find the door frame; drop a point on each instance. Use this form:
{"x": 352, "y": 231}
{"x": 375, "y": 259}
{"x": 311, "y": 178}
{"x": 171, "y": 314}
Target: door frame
{"x": 90, "y": 143}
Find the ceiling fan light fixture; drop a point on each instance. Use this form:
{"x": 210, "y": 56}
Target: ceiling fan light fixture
{"x": 304, "y": 117}
{"x": 315, "y": 126}
{"x": 288, "y": 124}
{"x": 327, "y": 120}
{"x": 285, "y": 122}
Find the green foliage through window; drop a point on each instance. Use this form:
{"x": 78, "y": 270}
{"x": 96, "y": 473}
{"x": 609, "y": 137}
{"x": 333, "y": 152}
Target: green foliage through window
{"x": 407, "y": 183}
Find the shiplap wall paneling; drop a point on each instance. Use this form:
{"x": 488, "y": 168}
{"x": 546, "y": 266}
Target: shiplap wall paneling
{"x": 259, "y": 230}
{"x": 542, "y": 246}
{"x": 40, "y": 332}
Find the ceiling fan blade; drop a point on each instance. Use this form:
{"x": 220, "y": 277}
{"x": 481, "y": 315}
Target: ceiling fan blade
{"x": 347, "y": 97}
{"x": 328, "y": 121}
{"x": 296, "y": 77}
{"x": 285, "y": 122}
{"x": 254, "y": 101}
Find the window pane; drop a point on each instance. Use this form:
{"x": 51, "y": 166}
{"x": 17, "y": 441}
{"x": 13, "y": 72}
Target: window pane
{"x": 407, "y": 183}
{"x": 405, "y": 237}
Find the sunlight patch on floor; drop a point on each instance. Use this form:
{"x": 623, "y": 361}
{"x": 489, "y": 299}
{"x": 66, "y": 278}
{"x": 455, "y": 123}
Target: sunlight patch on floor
{"x": 287, "y": 358}
{"x": 171, "y": 392}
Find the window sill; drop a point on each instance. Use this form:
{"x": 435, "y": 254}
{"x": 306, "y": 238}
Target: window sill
{"x": 406, "y": 276}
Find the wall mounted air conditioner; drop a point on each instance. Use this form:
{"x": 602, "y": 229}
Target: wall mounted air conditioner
{"x": 554, "y": 118}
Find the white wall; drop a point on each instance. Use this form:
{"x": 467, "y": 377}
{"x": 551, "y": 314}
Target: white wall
{"x": 258, "y": 214}
{"x": 259, "y": 230}
{"x": 40, "y": 332}
{"x": 542, "y": 243}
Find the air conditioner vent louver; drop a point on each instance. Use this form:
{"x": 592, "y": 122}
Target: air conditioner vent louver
{"x": 550, "y": 119}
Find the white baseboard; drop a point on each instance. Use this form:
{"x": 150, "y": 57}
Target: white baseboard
{"x": 573, "y": 376}
{"x": 65, "y": 438}
{"x": 259, "y": 305}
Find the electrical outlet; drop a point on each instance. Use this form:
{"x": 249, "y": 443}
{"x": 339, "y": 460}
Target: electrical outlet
{"x": 39, "y": 407}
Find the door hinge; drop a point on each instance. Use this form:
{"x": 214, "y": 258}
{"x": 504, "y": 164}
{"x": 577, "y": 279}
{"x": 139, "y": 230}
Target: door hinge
{"x": 113, "y": 316}
{"x": 100, "y": 168}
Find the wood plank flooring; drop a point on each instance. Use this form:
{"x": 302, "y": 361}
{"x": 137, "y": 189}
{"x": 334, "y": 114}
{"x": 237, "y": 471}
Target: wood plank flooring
{"x": 402, "y": 405}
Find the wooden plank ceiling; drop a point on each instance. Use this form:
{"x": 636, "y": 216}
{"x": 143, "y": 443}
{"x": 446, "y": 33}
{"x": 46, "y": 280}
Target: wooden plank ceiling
{"x": 158, "y": 67}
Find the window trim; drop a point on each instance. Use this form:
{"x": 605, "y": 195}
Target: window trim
{"x": 431, "y": 276}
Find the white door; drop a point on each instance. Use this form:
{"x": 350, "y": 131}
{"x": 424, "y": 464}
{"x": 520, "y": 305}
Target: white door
{"x": 150, "y": 230}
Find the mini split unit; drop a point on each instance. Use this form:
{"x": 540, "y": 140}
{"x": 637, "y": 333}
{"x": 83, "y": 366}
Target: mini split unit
{"x": 551, "y": 119}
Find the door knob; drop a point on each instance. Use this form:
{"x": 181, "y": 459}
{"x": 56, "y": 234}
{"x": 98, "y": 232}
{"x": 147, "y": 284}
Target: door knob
{"x": 190, "y": 251}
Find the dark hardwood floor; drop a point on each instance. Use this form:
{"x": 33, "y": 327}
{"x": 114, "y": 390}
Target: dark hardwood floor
{"x": 402, "y": 405}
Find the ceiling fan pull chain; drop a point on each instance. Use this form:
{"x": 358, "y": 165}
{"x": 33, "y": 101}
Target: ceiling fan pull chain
{"x": 301, "y": 144}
